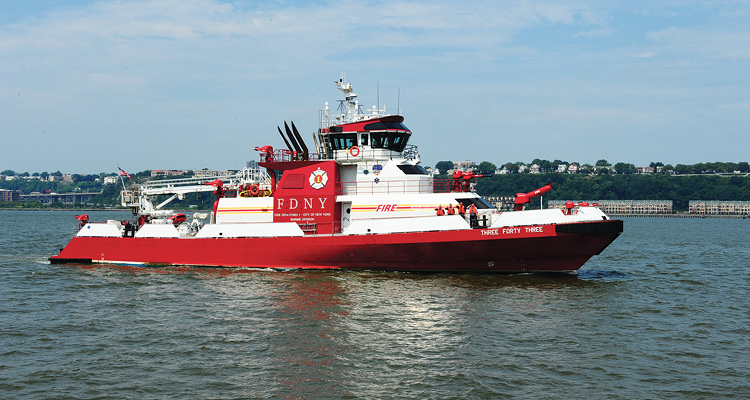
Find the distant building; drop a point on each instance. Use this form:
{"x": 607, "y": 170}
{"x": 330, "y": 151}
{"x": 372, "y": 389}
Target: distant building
{"x": 463, "y": 165}
{"x": 719, "y": 207}
{"x": 110, "y": 180}
{"x": 561, "y": 168}
{"x": 573, "y": 168}
{"x": 161, "y": 172}
{"x": 535, "y": 169}
{"x": 9, "y": 195}
{"x": 638, "y": 207}
{"x": 66, "y": 198}
{"x": 502, "y": 203}
{"x": 209, "y": 173}
{"x": 645, "y": 170}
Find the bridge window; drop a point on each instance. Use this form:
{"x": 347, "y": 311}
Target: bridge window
{"x": 395, "y": 141}
{"x": 342, "y": 141}
{"x": 413, "y": 169}
{"x": 383, "y": 125}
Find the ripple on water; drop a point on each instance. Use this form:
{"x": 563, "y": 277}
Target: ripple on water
{"x": 656, "y": 315}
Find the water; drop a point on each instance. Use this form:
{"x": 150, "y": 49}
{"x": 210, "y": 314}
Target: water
{"x": 663, "y": 313}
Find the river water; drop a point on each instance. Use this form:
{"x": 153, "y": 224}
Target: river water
{"x": 663, "y": 313}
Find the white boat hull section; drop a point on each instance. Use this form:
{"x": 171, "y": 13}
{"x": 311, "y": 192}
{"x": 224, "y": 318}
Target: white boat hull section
{"x": 270, "y": 229}
{"x": 545, "y": 217}
{"x": 245, "y": 209}
{"x": 404, "y": 225}
{"x": 99, "y": 230}
{"x": 157, "y": 231}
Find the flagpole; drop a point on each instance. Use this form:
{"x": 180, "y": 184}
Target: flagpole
{"x": 119, "y": 172}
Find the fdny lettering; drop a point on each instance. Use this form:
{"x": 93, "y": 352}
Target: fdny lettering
{"x": 386, "y": 207}
{"x": 307, "y": 203}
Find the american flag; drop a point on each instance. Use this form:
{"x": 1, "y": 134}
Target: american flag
{"x": 123, "y": 173}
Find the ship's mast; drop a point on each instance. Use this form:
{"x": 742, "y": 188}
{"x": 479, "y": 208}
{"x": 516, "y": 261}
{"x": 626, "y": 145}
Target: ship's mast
{"x": 349, "y": 107}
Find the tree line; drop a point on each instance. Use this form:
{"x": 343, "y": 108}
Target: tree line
{"x": 605, "y": 167}
{"x": 679, "y": 189}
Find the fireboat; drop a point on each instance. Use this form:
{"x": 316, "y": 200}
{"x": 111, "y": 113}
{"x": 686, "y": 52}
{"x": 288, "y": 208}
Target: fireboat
{"x": 358, "y": 200}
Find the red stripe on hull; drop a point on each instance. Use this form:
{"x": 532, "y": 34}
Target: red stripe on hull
{"x": 541, "y": 249}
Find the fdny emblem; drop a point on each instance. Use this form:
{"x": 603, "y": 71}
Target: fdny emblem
{"x": 318, "y": 179}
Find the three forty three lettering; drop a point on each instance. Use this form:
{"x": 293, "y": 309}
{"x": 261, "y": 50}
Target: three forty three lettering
{"x": 308, "y": 203}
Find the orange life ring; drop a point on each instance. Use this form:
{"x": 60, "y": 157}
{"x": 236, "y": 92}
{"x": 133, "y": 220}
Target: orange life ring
{"x": 354, "y": 151}
{"x": 254, "y": 190}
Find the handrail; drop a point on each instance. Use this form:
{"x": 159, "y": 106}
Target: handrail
{"x": 394, "y": 187}
{"x": 410, "y": 152}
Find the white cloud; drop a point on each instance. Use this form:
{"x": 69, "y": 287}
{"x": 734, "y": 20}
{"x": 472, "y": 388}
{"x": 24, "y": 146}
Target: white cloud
{"x": 701, "y": 42}
{"x": 151, "y": 70}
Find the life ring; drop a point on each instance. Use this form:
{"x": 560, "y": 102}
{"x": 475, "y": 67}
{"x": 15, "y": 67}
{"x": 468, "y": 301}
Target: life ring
{"x": 354, "y": 151}
{"x": 254, "y": 190}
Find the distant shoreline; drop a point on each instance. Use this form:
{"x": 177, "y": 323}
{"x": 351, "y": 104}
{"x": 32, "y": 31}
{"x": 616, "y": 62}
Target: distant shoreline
{"x": 679, "y": 215}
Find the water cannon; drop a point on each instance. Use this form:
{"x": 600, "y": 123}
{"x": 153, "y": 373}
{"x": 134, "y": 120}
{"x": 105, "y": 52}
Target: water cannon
{"x": 569, "y": 205}
{"x": 216, "y": 183}
{"x": 457, "y": 180}
{"x": 469, "y": 175}
{"x": 266, "y": 152}
{"x": 523, "y": 198}
{"x": 177, "y": 219}
{"x": 463, "y": 181}
{"x": 82, "y": 219}
{"x": 219, "y": 185}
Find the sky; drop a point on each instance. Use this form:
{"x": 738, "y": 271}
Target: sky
{"x": 86, "y": 86}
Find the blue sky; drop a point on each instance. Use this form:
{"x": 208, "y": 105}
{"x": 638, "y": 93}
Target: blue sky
{"x": 187, "y": 84}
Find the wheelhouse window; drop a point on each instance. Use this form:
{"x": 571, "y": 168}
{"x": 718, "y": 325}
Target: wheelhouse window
{"x": 384, "y": 125}
{"x": 342, "y": 141}
{"x": 413, "y": 169}
{"x": 395, "y": 141}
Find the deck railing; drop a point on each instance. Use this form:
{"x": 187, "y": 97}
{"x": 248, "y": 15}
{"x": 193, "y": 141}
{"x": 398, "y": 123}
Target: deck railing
{"x": 394, "y": 187}
{"x": 410, "y": 152}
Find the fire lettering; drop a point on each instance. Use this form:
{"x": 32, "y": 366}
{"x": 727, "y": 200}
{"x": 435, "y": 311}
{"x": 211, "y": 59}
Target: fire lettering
{"x": 386, "y": 207}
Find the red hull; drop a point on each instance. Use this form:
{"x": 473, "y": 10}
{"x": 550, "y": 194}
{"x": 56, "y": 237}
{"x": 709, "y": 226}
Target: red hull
{"x": 539, "y": 248}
